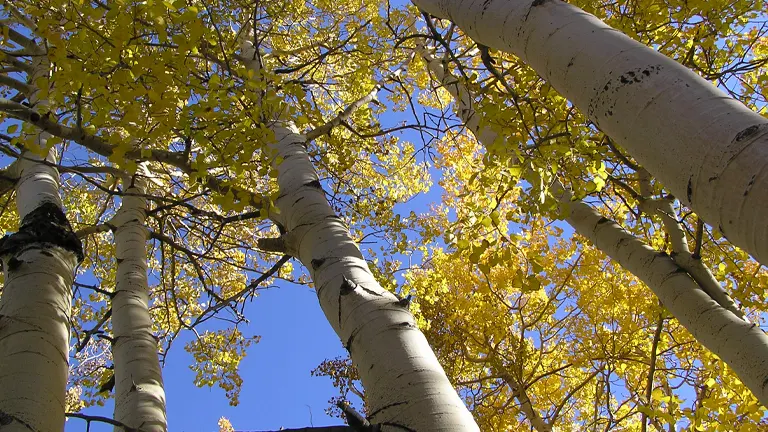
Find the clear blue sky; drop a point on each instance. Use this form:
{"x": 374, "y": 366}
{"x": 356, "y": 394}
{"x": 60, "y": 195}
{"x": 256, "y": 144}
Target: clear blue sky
{"x": 277, "y": 387}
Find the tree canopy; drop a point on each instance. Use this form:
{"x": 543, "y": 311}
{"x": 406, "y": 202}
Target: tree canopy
{"x": 458, "y": 170}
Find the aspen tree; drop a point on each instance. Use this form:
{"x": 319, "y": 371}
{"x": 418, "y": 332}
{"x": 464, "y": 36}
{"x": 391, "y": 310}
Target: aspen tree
{"x": 39, "y": 263}
{"x": 730, "y": 341}
{"x": 139, "y": 392}
{"x": 707, "y": 148}
{"x": 406, "y": 388}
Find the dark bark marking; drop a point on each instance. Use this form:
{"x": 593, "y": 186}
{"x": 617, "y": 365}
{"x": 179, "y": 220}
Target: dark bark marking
{"x": 370, "y": 291}
{"x": 746, "y": 133}
{"x": 48, "y": 225}
{"x": 534, "y": 4}
{"x": 348, "y": 343}
{"x": 749, "y": 185}
{"x": 603, "y": 220}
{"x": 314, "y": 184}
{"x": 385, "y": 407}
{"x": 317, "y": 263}
{"x": 347, "y": 286}
{"x": 630, "y": 77}
{"x": 14, "y": 264}
{"x": 6, "y": 419}
{"x": 689, "y": 191}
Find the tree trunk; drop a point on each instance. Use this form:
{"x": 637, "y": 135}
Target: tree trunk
{"x": 38, "y": 262}
{"x": 710, "y": 150}
{"x": 526, "y": 406}
{"x": 731, "y": 339}
{"x": 405, "y": 386}
{"x": 139, "y": 393}
{"x": 743, "y": 346}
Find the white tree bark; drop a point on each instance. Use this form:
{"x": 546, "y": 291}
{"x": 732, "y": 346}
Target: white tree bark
{"x": 35, "y": 307}
{"x": 742, "y": 345}
{"x": 708, "y": 149}
{"x": 405, "y": 386}
{"x": 139, "y": 392}
{"x": 526, "y": 406}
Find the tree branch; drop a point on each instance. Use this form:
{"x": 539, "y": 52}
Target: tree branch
{"x": 91, "y": 418}
{"x": 343, "y": 116}
{"x": 15, "y": 84}
{"x": 272, "y": 244}
{"x": 651, "y": 371}
{"x": 102, "y": 147}
{"x": 22, "y": 40}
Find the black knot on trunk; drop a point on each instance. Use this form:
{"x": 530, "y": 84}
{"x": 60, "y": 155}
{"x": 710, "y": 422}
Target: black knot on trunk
{"x": 45, "y": 224}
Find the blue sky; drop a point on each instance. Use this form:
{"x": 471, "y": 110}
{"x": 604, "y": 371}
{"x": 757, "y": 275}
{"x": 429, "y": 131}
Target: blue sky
{"x": 278, "y": 390}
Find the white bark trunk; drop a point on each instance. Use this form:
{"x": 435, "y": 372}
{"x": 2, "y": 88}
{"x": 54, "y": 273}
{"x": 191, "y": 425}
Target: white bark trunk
{"x": 35, "y": 308}
{"x": 139, "y": 393}
{"x": 526, "y": 406}
{"x": 405, "y": 386}
{"x": 743, "y": 346}
{"x": 708, "y": 149}
{"x": 731, "y": 338}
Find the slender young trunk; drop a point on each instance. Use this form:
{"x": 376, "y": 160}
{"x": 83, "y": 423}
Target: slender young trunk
{"x": 743, "y": 346}
{"x": 38, "y": 262}
{"x": 710, "y": 150}
{"x": 526, "y": 406}
{"x": 690, "y": 307}
{"x": 405, "y": 386}
{"x": 139, "y": 393}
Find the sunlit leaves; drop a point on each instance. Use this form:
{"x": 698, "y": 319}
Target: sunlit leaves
{"x": 217, "y": 356}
